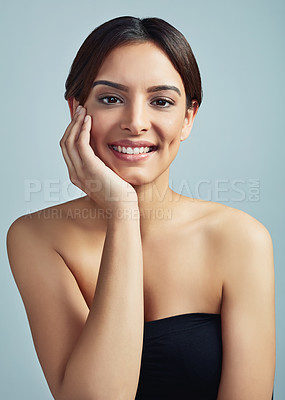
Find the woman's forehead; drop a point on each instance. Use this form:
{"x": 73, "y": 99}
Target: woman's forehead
{"x": 139, "y": 62}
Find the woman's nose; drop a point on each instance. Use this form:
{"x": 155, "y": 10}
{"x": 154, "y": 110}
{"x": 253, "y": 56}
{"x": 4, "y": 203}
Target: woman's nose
{"x": 136, "y": 118}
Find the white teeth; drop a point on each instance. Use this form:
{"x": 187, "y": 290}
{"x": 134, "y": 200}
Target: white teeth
{"x": 131, "y": 150}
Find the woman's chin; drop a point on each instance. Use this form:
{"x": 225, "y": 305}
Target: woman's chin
{"x": 136, "y": 180}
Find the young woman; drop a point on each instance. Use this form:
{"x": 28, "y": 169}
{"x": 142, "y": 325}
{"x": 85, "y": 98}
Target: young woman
{"x": 134, "y": 291}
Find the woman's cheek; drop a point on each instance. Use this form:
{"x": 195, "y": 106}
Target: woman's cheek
{"x": 100, "y": 132}
{"x": 170, "y": 132}
{"x": 97, "y": 125}
{"x": 102, "y": 124}
{"x": 171, "y": 125}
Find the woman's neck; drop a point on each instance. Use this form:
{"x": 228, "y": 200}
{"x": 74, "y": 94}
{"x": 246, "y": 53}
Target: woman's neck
{"x": 157, "y": 201}
{"x": 157, "y": 204}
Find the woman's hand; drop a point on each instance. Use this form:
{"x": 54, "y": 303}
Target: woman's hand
{"x": 88, "y": 172}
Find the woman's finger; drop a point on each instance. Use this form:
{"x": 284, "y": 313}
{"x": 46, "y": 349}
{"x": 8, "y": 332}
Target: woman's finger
{"x": 69, "y": 127}
{"x": 71, "y": 169}
{"x": 83, "y": 145}
{"x": 71, "y": 138}
{"x": 66, "y": 134}
{"x": 69, "y": 155}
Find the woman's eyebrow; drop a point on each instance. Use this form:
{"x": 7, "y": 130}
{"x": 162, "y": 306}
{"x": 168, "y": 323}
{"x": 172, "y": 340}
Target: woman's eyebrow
{"x": 126, "y": 89}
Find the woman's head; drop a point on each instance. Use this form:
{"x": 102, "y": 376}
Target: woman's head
{"x": 136, "y": 93}
{"x": 125, "y": 30}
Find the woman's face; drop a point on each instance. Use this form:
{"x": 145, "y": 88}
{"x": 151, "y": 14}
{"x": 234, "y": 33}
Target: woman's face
{"x": 142, "y": 99}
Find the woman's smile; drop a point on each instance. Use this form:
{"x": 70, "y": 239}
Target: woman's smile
{"x": 133, "y": 150}
{"x": 133, "y": 153}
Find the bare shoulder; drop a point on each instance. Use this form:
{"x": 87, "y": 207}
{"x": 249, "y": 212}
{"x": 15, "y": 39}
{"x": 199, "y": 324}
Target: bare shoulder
{"x": 52, "y": 213}
{"x": 230, "y": 226}
{"x": 244, "y": 223}
{"x": 240, "y": 231}
{"x": 32, "y": 233}
{"x": 52, "y": 223}
{"x": 70, "y": 235}
{"x": 237, "y": 240}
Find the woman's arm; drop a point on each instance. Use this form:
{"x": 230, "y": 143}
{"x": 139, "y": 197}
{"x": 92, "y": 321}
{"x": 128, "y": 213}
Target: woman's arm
{"x": 84, "y": 355}
{"x": 248, "y": 310}
{"x": 107, "y": 356}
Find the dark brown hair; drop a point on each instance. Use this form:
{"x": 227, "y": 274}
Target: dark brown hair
{"x": 125, "y": 30}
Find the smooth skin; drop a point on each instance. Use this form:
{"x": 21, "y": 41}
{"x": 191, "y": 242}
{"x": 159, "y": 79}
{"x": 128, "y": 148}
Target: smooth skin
{"x": 88, "y": 282}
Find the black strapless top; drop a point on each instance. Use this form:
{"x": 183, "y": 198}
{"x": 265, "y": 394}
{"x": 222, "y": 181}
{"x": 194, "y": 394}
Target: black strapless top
{"x": 181, "y": 358}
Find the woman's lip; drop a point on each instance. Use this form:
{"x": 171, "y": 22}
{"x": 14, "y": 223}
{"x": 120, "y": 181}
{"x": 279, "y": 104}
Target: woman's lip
{"x": 131, "y": 157}
{"x": 131, "y": 143}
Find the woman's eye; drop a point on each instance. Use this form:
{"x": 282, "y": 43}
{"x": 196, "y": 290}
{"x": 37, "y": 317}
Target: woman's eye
{"x": 163, "y": 103}
{"x": 109, "y": 100}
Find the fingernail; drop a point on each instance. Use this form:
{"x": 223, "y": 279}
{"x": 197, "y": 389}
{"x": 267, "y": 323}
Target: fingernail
{"x": 86, "y": 118}
{"x": 78, "y": 109}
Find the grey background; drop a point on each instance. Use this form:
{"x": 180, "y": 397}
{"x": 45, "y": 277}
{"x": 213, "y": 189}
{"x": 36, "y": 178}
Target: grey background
{"x": 234, "y": 155}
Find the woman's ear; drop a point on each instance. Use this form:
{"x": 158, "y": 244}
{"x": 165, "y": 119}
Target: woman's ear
{"x": 73, "y": 104}
{"x": 188, "y": 120}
